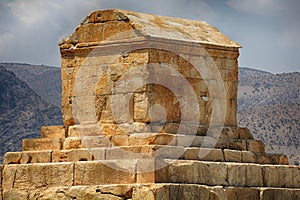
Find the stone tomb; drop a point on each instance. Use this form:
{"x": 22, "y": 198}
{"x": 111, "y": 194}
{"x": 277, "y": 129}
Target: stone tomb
{"x": 149, "y": 111}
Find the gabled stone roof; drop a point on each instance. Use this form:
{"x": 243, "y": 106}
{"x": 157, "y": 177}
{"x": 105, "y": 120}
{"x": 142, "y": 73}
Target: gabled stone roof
{"x": 148, "y": 25}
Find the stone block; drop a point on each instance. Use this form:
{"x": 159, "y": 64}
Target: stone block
{"x": 281, "y": 176}
{"x": 151, "y": 192}
{"x": 36, "y": 157}
{"x": 248, "y": 157}
{"x": 105, "y": 172}
{"x": 178, "y": 191}
{"x": 146, "y": 170}
{"x": 73, "y": 155}
{"x": 244, "y": 175}
{"x": 231, "y": 132}
{"x": 96, "y": 141}
{"x": 244, "y": 133}
{"x": 188, "y": 171}
{"x": 42, "y": 144}
{"x": 262, "y": 158}
{"x": 205, "y": 154}
{"x": 120, "y": 190}
{"x": 37, "y": 175}
{"x": 72, "y": 143}
{"x": 280, "y": 159}
{"x": 151, "y": 139}
{"x": 256, "y": 146}
{"x": 232, "y": 155}
{"x": 98, "y": 153}
{"x": 279, "y": 193}
{"x": 234, "y": 193}
{"x": 12, "y": 158}
{"x": 195, "y": 141}
{"x": 14, "y": 194}
{"x": 238, "y": 144}
{"x": 120, "y": 140}
{"x": 53, "y": 132}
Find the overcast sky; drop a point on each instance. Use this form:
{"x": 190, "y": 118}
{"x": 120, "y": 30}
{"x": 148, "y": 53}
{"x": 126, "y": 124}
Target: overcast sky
{"x": 268, "y": 30}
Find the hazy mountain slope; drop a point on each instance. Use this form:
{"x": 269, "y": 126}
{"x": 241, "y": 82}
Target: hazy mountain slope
{"x": 269, "y": 105}
{"x": 44, "y": 80}
{"x": 22, "y": 112}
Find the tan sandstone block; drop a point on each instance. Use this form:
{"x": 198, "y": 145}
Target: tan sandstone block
{"x": 12, "y": 158}
{"x": 255, "y": 146}
{"x": 72, "y": 143}
{"x": 242, "y": 193}
{"x": 205, "y": 154}
{"x": 281, "y": 176}
{"x": 263, "y": 158}
{"x": 14, "y": 194}
{"x": 146, "y": 170}
{"x": 151, "y": 139}
{"x": 89, "y": 33}
{"x": 35, "y": 157}
{"x": 279, "y": 193}
{"x": 187, "y": 171}
{"x": 244, "y": 175}
{"x": 117, "y": 30}
{"x": 244, "y": 133}
{"x": 120, "y": 140}
{"x": 185, "y": 191}
{"x": 232, "y": 155}
{"x": 37, "y": 175}
{"x": 105, "y": 172}
{"x": 150, "y": 192}
{"x": 52, "y": 132}
{"x": 248, "y": 157}
{"x": 73, "y": 155}
{"x": 195, "y": 141}
{"x": 42, "y": 144}
{"x": 280, "y": 159}
{"x": 118, "y": 190}
{"x": 231, "y": 132}
{"x": 238, "y": 144}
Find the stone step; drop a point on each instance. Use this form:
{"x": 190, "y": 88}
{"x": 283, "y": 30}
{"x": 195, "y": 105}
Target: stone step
{"x": 42, "y": 144}
{"x": 172, "y": 128}
{"x": 148, "y": 151}
{"x": 137, "y": 139}
{"x": 230, "y": 174}
{"x": 154, "y": 192}
{"x": 53, "y": 132}
{"x": 164, "y": 139}
{"x": 147, "y": 170}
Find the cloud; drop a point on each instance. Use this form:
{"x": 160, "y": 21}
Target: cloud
{"x": 284, "y": 13}
{"x": 262, "y": 7}
{"x": 31, "y": 29}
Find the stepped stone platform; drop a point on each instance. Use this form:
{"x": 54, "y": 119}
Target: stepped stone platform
{"x": 135, "y": 130}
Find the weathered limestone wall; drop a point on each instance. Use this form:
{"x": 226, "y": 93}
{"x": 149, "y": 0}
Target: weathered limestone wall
{"x": 98, "y": 79}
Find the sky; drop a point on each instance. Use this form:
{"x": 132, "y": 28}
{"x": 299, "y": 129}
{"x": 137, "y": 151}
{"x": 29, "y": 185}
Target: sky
{"x": 268, "y": 30}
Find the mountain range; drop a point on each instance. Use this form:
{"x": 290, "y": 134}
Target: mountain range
{"x": 268, "y": 104}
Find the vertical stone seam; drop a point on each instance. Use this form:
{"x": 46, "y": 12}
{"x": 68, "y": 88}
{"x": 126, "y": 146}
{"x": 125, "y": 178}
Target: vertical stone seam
{"x": 73, "y": 174}
{"x": 263, "y": 176}
{"x": 15, "y": 175}
{"x": 223, "y": 152}
{"x": 51, "y": 153}
{"x": 227, "y": 174}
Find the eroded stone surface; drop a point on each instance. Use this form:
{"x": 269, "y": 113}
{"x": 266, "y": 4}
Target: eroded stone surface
{"x": 37, "y": 175}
